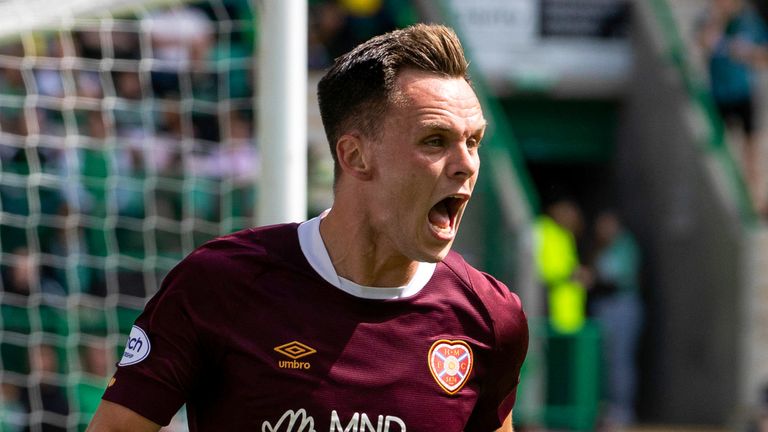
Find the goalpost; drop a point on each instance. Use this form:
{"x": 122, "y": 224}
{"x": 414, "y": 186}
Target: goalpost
{"x": 127, "y": 138}
{"x": 283, "y": 110}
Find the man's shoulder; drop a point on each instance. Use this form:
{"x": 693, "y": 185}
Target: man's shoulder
{"x": 482, "y": 283}
{"x": 267, "y": 242}
{"x": 233, "y": 263}
{"x": 247, "y": 250}
{"x": 503, "y": 306}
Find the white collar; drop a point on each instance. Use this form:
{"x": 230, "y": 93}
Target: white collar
{"x": 314, "y": 250}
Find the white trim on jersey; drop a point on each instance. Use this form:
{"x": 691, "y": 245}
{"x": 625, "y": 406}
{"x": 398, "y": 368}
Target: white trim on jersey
{"x": 314, "y": 250}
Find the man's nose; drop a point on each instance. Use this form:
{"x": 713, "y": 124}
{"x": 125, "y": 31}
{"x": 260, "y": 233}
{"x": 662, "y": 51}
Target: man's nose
{"x": 464, "y": 161}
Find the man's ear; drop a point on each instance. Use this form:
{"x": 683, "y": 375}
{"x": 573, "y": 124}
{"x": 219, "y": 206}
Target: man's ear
{"x": 354, "y": 156}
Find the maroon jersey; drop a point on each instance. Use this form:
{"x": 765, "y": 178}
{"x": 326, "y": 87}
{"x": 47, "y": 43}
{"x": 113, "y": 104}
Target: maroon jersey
{"x": 255, "y": 332}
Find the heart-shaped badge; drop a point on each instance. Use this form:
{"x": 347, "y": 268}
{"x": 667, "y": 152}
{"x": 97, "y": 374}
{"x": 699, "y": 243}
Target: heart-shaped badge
{"x": 450, "y": 362}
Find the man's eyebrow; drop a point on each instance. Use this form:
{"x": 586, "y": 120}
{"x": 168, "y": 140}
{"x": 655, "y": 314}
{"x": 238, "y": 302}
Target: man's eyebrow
{"x": 435, "y": 125}
{"x": 444, "y": 127}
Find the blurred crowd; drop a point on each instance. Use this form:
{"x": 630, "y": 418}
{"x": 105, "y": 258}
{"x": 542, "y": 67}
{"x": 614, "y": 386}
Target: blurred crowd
{"x": 124, "y": 143}
{"x": 106, "y": 127}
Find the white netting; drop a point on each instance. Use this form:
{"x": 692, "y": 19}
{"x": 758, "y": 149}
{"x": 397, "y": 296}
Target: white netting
{"x": 125, "y": 141}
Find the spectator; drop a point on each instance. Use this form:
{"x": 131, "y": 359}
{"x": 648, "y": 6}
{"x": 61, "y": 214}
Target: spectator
{"x": 559, "y": 266}
{"x": 181, "y": 40}
{"x": 617, "y": 307}
{"x": 96, "y": 360}
{"x": 734, "y": 37}
{"x": 25, "y": 276}
{"x": 12, "y": 415}
{"x": 565, "y": 281}
{"x": 235, "y": 161}
{"x": 12, "y": 82}
{"x": 329, "y": 34}
{"x": 336, "y": 26}
{"x": 46, "y": 392}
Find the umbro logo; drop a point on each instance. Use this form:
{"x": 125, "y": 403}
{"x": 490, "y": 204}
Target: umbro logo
{"x": 294, "y": 350}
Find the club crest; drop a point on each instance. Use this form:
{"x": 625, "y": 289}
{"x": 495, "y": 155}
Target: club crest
{"x": 450, "y": 362}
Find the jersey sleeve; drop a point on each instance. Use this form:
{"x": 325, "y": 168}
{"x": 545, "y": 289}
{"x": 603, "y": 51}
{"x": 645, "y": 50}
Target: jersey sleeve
{"x": 498, "y": 391}
{"x": 155, "y": 375}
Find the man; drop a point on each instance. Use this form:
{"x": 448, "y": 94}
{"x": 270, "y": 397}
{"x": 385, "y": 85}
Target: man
{"x": 617, "y": 306}
{"x": 734, "y": 39}
{"x": 559, "y": 266}
{"x": 359, "y": 319}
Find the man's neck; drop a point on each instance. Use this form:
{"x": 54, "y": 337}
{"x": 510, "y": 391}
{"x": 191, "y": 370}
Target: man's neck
{"x": 359, "y": 254}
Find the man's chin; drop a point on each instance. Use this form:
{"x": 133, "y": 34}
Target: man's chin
{"x": 435, "y": 256}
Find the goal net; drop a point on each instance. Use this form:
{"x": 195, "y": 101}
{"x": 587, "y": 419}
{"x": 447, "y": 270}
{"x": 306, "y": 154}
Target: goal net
{"x": 126, "y": 140}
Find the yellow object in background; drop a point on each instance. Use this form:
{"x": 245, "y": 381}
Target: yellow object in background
{"x": 557, "y": 261}
{"x": 567, "y": 305}
{"x": 361, "y": 8}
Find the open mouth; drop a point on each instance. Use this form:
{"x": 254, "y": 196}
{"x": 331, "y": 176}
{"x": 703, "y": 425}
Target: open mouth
{"x": 443, "y": 215}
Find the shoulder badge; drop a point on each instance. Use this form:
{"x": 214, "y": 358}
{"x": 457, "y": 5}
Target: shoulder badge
{"x": 137, "y": 348}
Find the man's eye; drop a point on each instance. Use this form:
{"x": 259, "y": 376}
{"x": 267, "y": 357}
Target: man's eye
{"x": 473, "y": 143}
{"x": 434, "y": 142}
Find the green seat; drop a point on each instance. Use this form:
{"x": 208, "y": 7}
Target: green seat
{"x": 14, "y": 358}
{"x": 15, "y": 319}
{"x": 54, "y": 320}
{"x": 126, "y": 318}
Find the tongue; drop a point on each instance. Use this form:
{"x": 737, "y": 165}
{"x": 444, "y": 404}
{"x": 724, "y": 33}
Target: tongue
{"x": 439, "y": 216}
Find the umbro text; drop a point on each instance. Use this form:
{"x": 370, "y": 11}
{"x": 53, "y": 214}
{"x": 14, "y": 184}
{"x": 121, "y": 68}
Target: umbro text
{"x": 293, "y": 364}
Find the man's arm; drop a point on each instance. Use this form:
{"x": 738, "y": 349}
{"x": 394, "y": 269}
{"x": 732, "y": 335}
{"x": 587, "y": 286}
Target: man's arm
{"x": 111, "y": 417}
{"x": 507, "y": 425}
